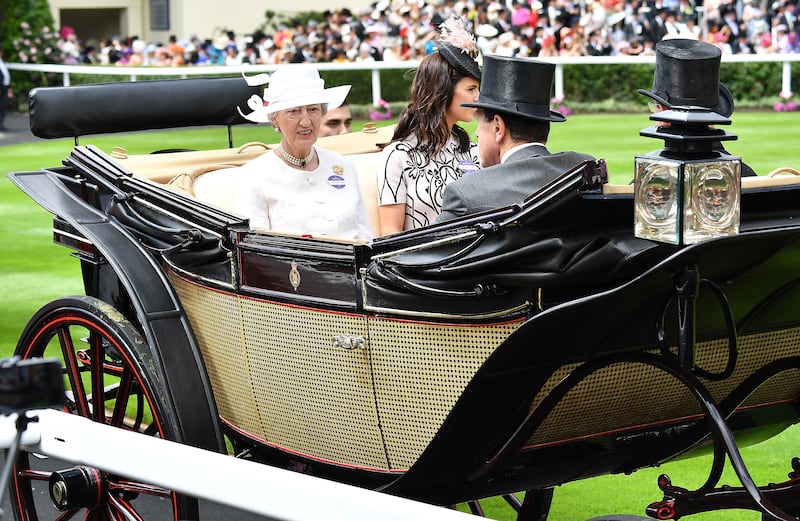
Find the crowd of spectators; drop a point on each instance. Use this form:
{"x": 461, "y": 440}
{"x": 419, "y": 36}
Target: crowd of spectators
{"x": 407, "y": 30}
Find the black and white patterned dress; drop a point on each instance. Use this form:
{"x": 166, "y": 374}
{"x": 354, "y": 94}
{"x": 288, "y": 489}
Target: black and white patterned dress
{"x": 408, "y": 176}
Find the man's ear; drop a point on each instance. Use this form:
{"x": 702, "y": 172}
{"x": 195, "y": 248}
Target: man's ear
{"x": 499, "y": 128}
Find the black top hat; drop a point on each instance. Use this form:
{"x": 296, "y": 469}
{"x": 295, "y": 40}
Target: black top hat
{"x": 459, "y": 59}
{"x": 687, "y": 74}
{"x": 517, "y": 86}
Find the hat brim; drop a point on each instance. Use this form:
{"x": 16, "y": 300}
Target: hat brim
{"x": 539, "y": 113}
{"x": 724, "y": 106}
{"x": 487, "y": 31}
{"x": 460, "y": 60}
{"x": 332, "y": 97}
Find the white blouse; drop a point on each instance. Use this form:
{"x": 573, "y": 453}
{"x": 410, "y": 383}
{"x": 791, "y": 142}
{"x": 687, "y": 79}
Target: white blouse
{"x": 323, "y": 202}
{"x": 408, "y": 176}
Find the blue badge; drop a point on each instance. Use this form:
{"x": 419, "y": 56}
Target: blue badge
{"x": 337, "y": 181}
{"x": 468, "y": 167}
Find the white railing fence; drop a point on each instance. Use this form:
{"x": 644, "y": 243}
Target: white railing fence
{"x": 375, "y": 67}
{"x": 252, "y": 487}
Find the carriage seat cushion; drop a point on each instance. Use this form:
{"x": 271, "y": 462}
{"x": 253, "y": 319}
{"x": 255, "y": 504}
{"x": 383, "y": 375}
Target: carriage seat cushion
{"x": 211, "y": 176}
{"x": 217, "y": 184}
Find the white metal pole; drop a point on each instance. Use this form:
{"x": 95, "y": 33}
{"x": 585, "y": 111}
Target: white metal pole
{"x": 786, "y": 82}
{"x": 223, "y": 479}
{"x": 376, "y": 86}
{"x": 559, "y": 81}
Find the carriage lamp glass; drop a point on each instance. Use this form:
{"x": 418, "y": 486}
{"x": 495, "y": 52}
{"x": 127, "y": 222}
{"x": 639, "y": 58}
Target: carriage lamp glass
{"x": 656, "y": 199}
{"x": 690, "y": 191}
{"x": 681, "y": 202}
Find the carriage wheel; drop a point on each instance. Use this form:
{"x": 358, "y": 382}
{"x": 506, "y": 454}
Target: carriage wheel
{"x": 106, "y": 382}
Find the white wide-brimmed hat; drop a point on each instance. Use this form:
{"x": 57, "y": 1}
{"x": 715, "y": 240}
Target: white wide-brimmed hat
{"x": 486, "y": 30}
{"x": 291, "y": 86}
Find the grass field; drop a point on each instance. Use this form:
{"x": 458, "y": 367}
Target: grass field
{"x": 33, "y": 271}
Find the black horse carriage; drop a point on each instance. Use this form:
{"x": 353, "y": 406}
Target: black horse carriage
{"x": 501, "y": 353}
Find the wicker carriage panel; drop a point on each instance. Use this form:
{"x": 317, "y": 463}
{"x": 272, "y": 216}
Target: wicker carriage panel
{"x": 614, "y": 397}
{"x": 420, "y": 371}
{"x": 314, "y": 398}
{"x": 214, "y": 317}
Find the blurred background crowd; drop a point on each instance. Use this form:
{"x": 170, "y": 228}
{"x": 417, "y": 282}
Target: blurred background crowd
{"x": 402, "y": 30}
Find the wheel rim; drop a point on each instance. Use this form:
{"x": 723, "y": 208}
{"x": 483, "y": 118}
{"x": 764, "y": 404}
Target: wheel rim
{"x": 105, "y": 384}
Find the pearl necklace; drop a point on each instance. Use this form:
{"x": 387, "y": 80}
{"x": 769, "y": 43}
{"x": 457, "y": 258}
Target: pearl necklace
{"x": 296, "y": 161}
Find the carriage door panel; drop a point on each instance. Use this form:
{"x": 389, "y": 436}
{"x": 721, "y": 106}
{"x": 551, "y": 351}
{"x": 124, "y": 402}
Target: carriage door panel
{"x": 420, "y": 370}
{"x": 314, "y": 393}
{"x": 282, "y": 374}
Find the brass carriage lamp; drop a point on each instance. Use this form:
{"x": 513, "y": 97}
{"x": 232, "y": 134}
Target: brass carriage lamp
{"x": 689, "y": 191}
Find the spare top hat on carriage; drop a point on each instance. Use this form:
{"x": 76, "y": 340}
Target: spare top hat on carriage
{"x": 517, "y": 86}
{"x": 687, "y": 75}
{"x": 289, "y": 87}
{"x": 458, "y": 47}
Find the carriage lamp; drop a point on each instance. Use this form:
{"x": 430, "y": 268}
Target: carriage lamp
{"x": 690, "y": 190}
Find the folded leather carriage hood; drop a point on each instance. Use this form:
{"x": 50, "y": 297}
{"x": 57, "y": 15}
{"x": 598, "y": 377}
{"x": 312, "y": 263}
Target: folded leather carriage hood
{"x": 81, "y": 110}
{"x": 570, "y": 243}
{"x": 566, "y": 263}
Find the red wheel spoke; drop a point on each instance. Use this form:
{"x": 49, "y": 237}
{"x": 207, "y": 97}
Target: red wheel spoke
{"x": 96, "y": 515}
{"x": 123, "y": 396}
{"x": 151, "y": 430}
{"x": 122, "y": 509}
{"x": 98, "y": 353}
{"x": 140, "y": 488}
{"x": 108, "y": 367}
{"x": 73, "y": 372}
{"x": 34, "y": 475}
{"x": 64, "y": 516}
{"x": 67, "y": 515}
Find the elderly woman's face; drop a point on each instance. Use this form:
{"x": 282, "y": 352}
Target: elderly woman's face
{"x": 299, "y": 126}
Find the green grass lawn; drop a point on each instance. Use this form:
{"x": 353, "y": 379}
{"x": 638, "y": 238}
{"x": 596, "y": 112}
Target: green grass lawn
{"x": 33, "y": 271}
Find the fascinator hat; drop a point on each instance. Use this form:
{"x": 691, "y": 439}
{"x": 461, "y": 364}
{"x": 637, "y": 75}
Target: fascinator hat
{"x": 458, "y": 47}
{"x": 289, "y": 87}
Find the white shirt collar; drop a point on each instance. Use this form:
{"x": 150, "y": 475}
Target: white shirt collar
{"x": 518, "y": 147}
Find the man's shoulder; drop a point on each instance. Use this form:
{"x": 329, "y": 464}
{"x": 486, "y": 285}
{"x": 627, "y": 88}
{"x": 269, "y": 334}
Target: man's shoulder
{"x": 566, "y": 157}
{"x": 571, "y": 154}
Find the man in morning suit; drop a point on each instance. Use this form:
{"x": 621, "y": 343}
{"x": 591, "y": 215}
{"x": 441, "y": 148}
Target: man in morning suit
{"x": 513, "y": 125}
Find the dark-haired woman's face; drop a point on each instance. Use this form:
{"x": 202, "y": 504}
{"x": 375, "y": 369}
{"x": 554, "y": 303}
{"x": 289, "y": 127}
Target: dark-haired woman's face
{"x": 465, "y": 91}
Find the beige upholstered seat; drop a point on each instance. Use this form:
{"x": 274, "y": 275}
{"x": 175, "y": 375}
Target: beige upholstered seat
{"x": 212, "y": 176}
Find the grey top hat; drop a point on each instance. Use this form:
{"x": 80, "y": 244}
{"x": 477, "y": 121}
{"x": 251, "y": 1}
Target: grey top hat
{"x": 687, "y": 74}
{"x": 517, "y": 86}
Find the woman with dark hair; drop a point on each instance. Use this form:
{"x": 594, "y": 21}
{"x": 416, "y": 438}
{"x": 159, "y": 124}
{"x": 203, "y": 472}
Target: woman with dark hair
{"x": 428, "y": 149}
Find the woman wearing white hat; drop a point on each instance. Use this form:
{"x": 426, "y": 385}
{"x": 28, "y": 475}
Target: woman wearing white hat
{"x": 300, "y": 188}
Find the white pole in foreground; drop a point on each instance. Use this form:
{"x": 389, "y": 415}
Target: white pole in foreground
{"x": 242, "y": 484}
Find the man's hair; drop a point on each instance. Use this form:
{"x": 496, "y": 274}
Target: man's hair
{"x": 521, "y": 129}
